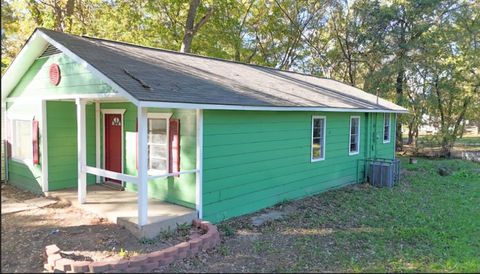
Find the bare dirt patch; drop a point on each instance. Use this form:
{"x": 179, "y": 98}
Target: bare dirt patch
{"x": 80, "y": 234}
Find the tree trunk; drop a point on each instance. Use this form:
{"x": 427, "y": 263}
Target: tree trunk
{"x": 189, "y": 28}
{"x": 416, "y": 137}
{"x": 410, "y": 133}
{"x": 58, "y": 26}
{"x": 69, "y": 9}
{"x": 399, "y": 101}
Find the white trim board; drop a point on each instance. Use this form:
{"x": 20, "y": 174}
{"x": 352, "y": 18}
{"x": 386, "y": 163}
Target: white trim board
{"x": 166, "y": 116}
{"x": 89, "y": 67}
{"x": 389, "y": 128}
{"x": 109, "y": 97}
{"x": 22, "y": 62}
{"x": 350, "y": 137}
{"x": 312, "y": 160}
{"x": 259, "y": 108}
{"x": 113, "y": 111}
{"x": 11, "y": 120}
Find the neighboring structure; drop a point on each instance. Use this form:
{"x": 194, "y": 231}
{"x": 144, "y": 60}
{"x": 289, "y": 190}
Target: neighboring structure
{"x": 222, "y": 137}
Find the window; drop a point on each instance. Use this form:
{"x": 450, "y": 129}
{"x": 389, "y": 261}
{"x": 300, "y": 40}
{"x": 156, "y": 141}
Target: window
{"x": 318, "y": 138}
{"x": 386, "y": 128}
{"x": 22, "y": 148}
{"x": 157, "y": 142}
{"x": 354, "y": 147}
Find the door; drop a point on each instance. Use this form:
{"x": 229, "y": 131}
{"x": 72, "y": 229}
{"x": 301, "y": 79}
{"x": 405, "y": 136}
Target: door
{"x": 113, "y": 144}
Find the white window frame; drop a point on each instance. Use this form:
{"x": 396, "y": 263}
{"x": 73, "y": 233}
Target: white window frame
{"x": 324, "y": 138}
{"x": 385, "y": 115}
{"x": 159, "y": 115}
{"x": 350, "y": 136}
{"x": 29, "y": 160}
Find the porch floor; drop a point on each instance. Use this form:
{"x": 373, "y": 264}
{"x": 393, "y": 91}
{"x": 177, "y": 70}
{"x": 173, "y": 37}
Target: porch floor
{"x": 121, "y": 208}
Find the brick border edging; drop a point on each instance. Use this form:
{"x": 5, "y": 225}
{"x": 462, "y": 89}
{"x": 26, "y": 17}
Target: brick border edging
{"x": 140, "y": 263}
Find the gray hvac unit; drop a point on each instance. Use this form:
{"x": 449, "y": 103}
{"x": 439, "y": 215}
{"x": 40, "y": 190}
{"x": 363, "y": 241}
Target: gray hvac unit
{"x": 382, "y": 173}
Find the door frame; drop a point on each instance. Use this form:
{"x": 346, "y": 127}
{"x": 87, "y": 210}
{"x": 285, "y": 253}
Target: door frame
{"x": 113, "y": 111}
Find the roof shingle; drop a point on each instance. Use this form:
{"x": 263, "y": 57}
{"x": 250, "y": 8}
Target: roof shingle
{"x": 151, "y": 74}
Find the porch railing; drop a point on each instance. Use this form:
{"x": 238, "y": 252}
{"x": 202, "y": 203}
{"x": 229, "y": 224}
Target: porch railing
{"x": 130, "y": 178}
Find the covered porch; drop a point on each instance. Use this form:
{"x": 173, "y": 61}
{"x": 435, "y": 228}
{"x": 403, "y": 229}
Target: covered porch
{"x": 121, "y": 207}
{"x": 139, "y": 207}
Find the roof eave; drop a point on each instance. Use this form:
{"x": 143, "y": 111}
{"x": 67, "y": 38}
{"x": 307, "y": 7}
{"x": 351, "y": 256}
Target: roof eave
{"x": 34, "y": 46}
{"x": 262, "y": 108}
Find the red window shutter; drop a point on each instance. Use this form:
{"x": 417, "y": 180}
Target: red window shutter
{"x": 35, "y": 141}
{"x": 174, "y": 145}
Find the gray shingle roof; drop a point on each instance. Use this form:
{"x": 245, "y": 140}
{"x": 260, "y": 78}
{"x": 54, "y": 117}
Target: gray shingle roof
{"x": 151, "y": 74}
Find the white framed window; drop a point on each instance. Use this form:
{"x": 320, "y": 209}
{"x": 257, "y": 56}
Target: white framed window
{"x": 157, "y": 142}
{"x": 22, "y": 147}
{"x": 318, "y": 138}
{"x": 354, "y": 143}
{"x": 386, "y": 128}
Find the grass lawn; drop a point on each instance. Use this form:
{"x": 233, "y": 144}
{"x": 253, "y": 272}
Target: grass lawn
{"x": 427, "y": 223}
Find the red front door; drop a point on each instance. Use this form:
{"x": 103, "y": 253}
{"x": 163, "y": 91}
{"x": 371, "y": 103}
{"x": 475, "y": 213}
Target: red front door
{"x": 113, "y": 144}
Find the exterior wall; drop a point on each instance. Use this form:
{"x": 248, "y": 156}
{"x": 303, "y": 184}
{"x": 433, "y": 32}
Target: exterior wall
{"x": 179, "y": 190}
{"x": 255, "y": 159}
{"x": 62, "y": 132}
{"x": 62, "y": 144}
{"x": 385, "y": 150}
{"x": 25, "y": 175}
{"x": 61, "y": 117}
{"x": 75, "y": 79}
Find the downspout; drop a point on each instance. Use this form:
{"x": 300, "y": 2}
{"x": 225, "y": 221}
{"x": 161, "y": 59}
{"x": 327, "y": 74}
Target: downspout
{"x": 375, "y": 137}
{"x": 395, "y": 136}
{"x": 367, "y": 148}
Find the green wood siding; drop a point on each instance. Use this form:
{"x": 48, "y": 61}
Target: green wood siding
{"x": 256, "y": 159}
{"x": 25, "y": 175}
{"x": 75, "y": 79}
{"x": 178, "y": 190}
{"x": 62, "y": 144}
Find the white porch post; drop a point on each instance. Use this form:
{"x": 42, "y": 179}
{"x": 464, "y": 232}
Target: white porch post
{"x": 142, "y": 167}
{"x": 82, "y": 150}
{"x": 199, "y": 164}
{"x": 44, "y": 141}
{"x": 97, "y": 138}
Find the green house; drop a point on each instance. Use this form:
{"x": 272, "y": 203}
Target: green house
{"x": 220, "y": 137}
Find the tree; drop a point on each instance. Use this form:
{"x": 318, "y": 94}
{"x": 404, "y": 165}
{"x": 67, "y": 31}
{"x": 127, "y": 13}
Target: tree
{"x": 450, "y": 66}
{"x": 191, "y": 28}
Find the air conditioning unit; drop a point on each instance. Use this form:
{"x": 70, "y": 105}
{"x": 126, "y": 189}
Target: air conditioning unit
{"x": 382, "y": 173}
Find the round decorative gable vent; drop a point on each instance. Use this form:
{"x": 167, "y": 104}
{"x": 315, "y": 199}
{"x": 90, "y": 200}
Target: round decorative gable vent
{"x": 54, "y": 74}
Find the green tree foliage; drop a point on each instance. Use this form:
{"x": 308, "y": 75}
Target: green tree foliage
{"x": 422, "y": 54}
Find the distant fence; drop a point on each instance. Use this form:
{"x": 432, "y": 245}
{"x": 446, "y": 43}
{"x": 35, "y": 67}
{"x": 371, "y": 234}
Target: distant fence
{"x": 466, "y": 148}
{"x": 467, "y": 155}
{"x": 433, "y": 142}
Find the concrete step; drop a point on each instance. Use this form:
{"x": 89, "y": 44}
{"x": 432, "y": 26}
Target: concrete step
{"x": 155, "y": 224}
